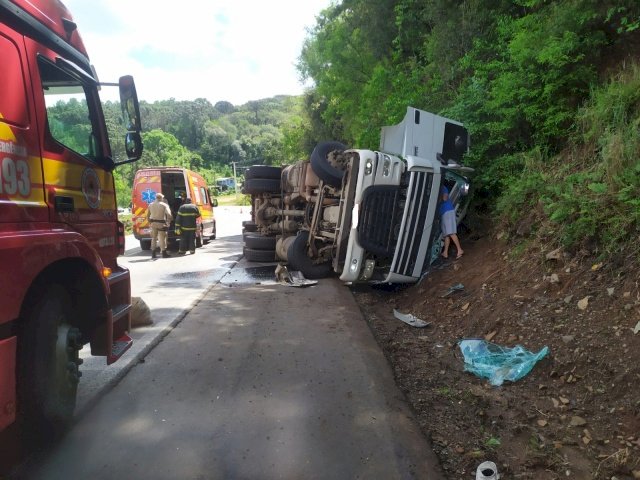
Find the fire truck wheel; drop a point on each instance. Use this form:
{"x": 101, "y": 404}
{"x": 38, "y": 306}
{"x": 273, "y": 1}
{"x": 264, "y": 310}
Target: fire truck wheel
{"x": 199, "y": 239}
{"x": 253, "y": 255}
{"x": 48, "y": 362}
{"x": 259, "y": 242}
{"x": 263, "y": 171}
{"x": 255, "y": 186}
{"x": 298, "y": 259}
{"x": 213, "y": 235}
{"x": 145, "y": 245}
{"x": 322, "y": 167}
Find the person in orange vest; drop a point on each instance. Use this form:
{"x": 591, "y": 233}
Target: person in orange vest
{"x": 186, "y": 226}
{"x": 159, "y": 218}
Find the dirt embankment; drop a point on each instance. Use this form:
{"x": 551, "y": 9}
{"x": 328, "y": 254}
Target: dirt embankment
{"x": 576, "y": 415}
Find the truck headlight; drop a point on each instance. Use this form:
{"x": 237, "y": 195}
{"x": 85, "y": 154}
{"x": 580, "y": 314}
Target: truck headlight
{"x": 386, "y": 166}
{"x": 367, "y": 271}
{"x": 368, "y": 167}
{"x": 464, "y": 189}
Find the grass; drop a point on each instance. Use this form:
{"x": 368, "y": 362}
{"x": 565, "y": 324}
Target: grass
{"x": 233, "y": 200}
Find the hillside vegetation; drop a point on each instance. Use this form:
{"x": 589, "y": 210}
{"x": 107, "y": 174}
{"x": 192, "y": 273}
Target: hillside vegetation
{"x": 549, "y": 91}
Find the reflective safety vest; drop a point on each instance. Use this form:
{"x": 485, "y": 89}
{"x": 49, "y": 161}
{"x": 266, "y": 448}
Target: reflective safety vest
{"x": 186, "y": 217}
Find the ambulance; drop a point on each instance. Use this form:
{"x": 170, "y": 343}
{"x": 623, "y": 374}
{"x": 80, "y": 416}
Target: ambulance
{"x": 175, "y": 183}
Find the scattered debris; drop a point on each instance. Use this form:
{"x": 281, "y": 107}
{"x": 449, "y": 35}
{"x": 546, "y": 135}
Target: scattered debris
{"x": 577, "y": 421}
{"x": 584, "y": 303}
{"x": 610, "y": 291}
{"x": 458, "y": 287}
{"x": 292, "y": 279}
{"x": 636, "y": 329}
{"x": 498, "y": 363}
{"x": 555, "y": 254}
{"x": 487, "y": 471}
{"x": 553, "y": 278}
{"x": 410, "y": 319}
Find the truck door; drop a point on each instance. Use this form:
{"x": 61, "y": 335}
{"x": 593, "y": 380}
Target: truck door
{"x": 21, "y": 190}
{"x": 75, "y": 151}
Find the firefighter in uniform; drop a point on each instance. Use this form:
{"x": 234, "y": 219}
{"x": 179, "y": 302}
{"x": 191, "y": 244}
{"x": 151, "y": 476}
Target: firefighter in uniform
{"x": 159, "y": 217}
{"x": 186, "y": 226}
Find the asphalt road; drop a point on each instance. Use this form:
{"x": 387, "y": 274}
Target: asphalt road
{"x": 256, "y": 381}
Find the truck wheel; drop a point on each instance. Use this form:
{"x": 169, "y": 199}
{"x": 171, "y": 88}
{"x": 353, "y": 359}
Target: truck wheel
{"x": 256, "y": 186}
{"x": 48, "y": 361}
{"x": 321, "y": 166}
{"x": 199, "y": 240}
{"x": 248, "y": 226}
{"x": 253, "y": 255}
{"x": 263, "y": 171}
{"x": 145, "y": 245}
{"x": 299, "y": 260}
{"x": 259, "y": 242}
{"x": 214, "y": 233}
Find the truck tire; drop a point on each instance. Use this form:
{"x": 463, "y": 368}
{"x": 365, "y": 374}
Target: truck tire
{"x": 199, "y": 240}
{"x": 145, "y": 244}
{"x": 259, "y": 242}
{"x": 48, "y": 361}
{"x": 253, "y": 255}
{"x": 321, "y": 166}
{"x": 256, "y": 186}
{"x": 263, "y": 171}
{"x": 299, "y": 260}
{"x": 248, "y": 226}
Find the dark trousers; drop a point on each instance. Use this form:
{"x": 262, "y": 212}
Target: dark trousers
{"x": 188, "y": 241}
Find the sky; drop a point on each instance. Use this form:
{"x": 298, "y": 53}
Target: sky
{"x": 232, "y": 50}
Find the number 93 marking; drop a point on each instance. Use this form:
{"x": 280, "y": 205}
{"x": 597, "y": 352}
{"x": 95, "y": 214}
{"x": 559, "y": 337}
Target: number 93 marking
{"x": 14, "y": 177}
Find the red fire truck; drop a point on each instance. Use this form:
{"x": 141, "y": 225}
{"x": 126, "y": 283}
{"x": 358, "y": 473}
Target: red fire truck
{"x": 60, "y": 284}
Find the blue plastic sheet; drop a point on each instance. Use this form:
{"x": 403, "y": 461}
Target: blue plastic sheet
{"x": 488, "y": 360}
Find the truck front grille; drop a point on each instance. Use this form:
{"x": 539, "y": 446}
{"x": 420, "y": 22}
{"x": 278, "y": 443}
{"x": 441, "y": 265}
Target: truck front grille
{"x": 378, "y": 219}
{"x": 414, "y": 218}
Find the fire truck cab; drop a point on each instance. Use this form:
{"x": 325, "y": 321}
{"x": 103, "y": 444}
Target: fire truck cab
{"x": 60, "y": 284}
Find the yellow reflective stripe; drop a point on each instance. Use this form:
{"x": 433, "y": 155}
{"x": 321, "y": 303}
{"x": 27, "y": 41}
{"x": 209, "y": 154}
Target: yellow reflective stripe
{"x": 185, "y": 228}
{"x": 187, "y": 214}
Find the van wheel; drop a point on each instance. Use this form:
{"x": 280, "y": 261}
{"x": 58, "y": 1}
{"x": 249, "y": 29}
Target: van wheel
{"x": 145, "y": 245}
{"x": 199, "y": 240}
{"x": 320, "y": 165}
{"x": 213, "y": 235}
{"x": 48, "y": 361}
{"x": 298, "y": 259}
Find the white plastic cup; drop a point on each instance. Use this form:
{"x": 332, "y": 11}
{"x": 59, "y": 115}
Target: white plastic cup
{"x": 487, "y": 471}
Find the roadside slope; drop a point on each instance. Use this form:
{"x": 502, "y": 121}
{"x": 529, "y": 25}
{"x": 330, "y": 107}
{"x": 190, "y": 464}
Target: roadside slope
{"x": 576, "y": 414}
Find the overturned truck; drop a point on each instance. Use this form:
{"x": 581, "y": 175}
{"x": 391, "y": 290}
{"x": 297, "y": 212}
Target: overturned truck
{"x": 367, "y": 216}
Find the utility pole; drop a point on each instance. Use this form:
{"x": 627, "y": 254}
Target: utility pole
{"x": 235, "y": 180}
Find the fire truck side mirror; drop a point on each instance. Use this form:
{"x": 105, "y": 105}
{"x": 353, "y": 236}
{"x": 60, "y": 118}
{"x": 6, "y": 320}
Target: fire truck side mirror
{"x": 133, "y": 145}
{"x": 129, "y": 104}
{"x": 131, "y": 117}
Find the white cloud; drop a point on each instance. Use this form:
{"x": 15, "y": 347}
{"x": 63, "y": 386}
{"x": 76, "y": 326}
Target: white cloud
{"x": 234, "y": 50}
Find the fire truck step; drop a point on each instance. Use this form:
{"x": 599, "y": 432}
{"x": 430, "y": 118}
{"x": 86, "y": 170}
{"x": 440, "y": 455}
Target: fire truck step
{"x": 119, "y": 347}
{"x": 119, "y": 311}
